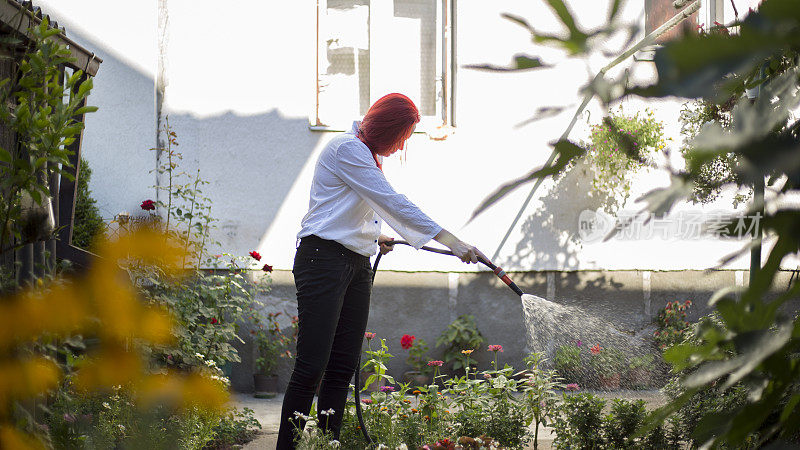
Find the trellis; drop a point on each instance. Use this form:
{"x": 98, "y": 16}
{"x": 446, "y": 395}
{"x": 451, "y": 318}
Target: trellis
{"x": 29, "y": 261}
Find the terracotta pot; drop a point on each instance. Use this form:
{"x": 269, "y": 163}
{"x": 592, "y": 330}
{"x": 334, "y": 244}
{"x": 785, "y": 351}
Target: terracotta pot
{"x": 265, "y": 386}
{"x": 416, "y": 379}
{"x": 639, "y": 378}
{"x": 375, "y": 386}
{"x": 609, "y": 382}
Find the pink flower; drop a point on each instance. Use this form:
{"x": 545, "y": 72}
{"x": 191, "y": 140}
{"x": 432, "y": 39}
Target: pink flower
{"x": 366, "y": 401}
{"x": 369, "y": 335}
{"x": 387, "y": 389}
{"x": 407, "y": 341}
{"x": 495, "y": 348}
{"x": 578, "y": 343}
{"x": 148, "y": 205}
{"x": 435, "y": 363}
{"x": 573, "y": 387}
{"x": 255, "y": 255}
{"x": 487, "y": 376}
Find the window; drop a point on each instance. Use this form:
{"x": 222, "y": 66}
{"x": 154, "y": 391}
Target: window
{"x": 367, "y": 49}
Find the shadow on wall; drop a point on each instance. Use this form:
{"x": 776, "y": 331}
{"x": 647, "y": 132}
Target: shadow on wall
{"x": 550, "y": 234}
{"x": 251, "y": 163}
{"x": 117, "y": 137}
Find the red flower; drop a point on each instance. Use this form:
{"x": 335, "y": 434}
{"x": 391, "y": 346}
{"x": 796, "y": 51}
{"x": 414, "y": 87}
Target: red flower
{"x": 435, "y": 363}
{"x": 267, "y": 268}
{"x": 148, "y": 205}
{"x": 596, "y": 349}
{"x": 214, "y": 321}
{"x": 495, "y": 348}
{"x": 407, "y": 341}
{"x": 369, "y": 335}
{"x": 255, "y": 255}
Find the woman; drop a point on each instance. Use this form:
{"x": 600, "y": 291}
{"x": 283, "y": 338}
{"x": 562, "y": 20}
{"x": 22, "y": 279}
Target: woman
{"x": 350, "y": 197}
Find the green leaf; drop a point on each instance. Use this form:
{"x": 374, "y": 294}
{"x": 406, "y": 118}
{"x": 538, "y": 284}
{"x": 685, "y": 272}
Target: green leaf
{"x": 85, "y": 110}
{"x": 5, "y": 156}
{"x": 520, "y": 62}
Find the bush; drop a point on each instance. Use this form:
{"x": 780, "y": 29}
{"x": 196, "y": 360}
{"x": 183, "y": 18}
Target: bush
{"x": 622, "y": 422}
{"x": 88, "y": 221}
{"x": 567, "y": 362}
{"x": 462, "y": 334}
{"x": 578, "y": 422}
{"x": 672, "y": 324}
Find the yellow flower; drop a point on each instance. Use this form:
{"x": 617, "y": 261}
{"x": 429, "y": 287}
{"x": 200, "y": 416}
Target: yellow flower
{"x": 467, "y": 352}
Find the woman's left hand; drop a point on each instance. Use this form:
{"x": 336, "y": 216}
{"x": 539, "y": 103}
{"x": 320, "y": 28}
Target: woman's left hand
{"x": 382, "y": 244}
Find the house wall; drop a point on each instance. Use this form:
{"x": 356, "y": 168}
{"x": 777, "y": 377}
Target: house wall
{"x": 236, "y": 81}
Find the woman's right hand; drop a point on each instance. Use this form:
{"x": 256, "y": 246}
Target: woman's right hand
{"x": 463, "y": 251}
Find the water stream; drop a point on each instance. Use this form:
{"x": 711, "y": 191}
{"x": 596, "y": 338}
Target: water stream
{"x": 550, "y": 325}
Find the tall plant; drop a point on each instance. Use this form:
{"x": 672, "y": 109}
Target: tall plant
{"x": 757, "y": 343}
{"x": 32, "y": 107}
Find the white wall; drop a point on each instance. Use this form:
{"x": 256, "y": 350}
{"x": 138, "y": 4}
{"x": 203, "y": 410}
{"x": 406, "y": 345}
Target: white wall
{"x": 240, "y": 88}
{"x": 119, "y": 135}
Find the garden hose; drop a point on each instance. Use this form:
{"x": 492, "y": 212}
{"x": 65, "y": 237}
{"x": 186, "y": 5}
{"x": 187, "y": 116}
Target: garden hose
{"x": 497, "y": 271}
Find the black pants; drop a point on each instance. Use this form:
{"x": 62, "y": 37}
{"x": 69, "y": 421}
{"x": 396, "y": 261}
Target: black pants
{"x": 333, "y": 291}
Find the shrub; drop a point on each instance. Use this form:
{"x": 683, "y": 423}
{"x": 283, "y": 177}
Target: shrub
{"x": 622, "y": 422}
{"x": 460, "y": 335}
{"x": 578, "y": 422}
{"x": 567, "y": 362}
{"x": 672, "y": 324}
{"x": 88, "y": 221}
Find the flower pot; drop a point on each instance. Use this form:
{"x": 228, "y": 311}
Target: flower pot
{"x": 375, "y": 386}
{"x": 639, "y": 378}
{"x": 265, "y": 386}
{"x": 608, "y": 382}
{"x": 416, "y": 378}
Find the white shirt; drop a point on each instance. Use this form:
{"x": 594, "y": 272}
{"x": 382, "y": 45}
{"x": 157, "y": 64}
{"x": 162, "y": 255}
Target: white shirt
{"x": 350, "y": 196}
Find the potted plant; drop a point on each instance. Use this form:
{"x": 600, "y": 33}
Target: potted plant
{"x": 420, "y": 374}
{"x": 608, "y": 365}
{"x": 271, "y": 345}
{"x": 639, "y": 370}
{"x": 567, "y": 361}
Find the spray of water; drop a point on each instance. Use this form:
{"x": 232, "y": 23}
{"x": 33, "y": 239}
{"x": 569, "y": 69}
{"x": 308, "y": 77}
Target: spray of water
{"x": 551, "y": 325}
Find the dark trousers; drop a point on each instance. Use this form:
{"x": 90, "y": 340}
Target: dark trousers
{"x": 333, "y": 291}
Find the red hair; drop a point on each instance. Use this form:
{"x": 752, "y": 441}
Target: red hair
{"x": 388, "y": 123}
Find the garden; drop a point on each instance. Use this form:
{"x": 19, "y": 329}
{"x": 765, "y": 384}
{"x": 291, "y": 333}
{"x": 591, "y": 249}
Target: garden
{"x": 136, "y": 349}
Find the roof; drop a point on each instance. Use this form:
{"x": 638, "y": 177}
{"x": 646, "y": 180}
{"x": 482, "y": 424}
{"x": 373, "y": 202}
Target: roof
{"x": 20, "y": 16}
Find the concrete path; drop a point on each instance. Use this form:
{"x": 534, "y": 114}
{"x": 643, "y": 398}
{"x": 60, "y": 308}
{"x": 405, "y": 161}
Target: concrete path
{"x": 267, "y": 412}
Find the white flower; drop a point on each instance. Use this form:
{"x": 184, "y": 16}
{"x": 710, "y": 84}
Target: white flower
{"x": 199, "y": 355}
{"x": 327, "y": 412}
{"x": 211, "y": 363}
{"x": 402, "y": 447}
{"x": 334, "y": 443}
{"x": 106, "y": 405}
{"x": 381, "y": 447}
{"x": 121, "y": 427}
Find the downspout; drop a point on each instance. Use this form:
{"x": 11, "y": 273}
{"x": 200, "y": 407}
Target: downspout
{"x": 647, "y": 40}
{"x": 161, "y": 87}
